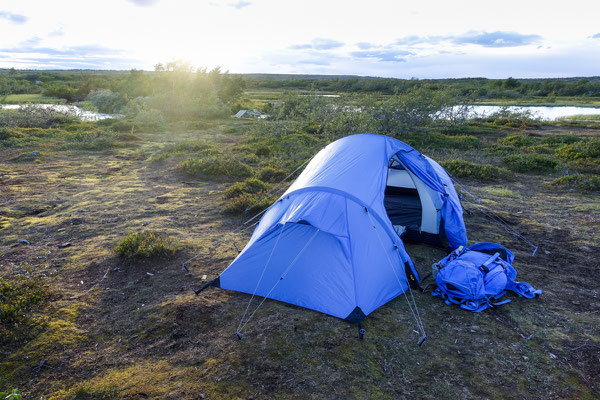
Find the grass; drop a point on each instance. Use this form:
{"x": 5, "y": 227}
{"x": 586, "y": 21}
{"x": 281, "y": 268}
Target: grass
{"x": 145, "y": 244}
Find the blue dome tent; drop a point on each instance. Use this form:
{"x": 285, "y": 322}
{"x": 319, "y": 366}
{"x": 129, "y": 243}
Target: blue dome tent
{"x": 332, "y": 242}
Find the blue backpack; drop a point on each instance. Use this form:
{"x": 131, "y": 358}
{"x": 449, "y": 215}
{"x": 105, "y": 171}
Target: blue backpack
{"x": 477, "y": 277}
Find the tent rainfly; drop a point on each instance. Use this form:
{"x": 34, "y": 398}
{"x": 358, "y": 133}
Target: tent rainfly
{"x": 333, "y": 241}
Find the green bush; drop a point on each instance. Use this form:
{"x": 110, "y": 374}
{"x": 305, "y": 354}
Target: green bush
{"x": 94, "y": 139}
{"x": 584, "y": 149}
{"x": 250, "y": 185}
{"x": 215, "y": 166}
{"x": 535, "y": 163}
{"x": 116, "y": 124}
{"x": 106, "y": 101}
{"x": 516, "y": 141}
{"x": 484, "y": 172}
{"x": 578, "y": 181}
{"x": 151, "y": 120}
{"x": 248, "y": 202}
{"x": 32, "y": 116}
{"x": 145, "y": 244}
{"x": 19, "y": 296}
{"x": 434, "y": 140}
{"x": 272, "y": 174}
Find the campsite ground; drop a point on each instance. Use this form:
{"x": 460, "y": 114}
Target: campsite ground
{"x": 142, "y": 333}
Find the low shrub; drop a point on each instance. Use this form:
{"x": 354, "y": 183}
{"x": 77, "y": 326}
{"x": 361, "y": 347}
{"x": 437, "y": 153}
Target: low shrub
{"x": 19, "y": 297}
{"x": 578, "y": 181}
{"x": 248, "y": 202}
{"x": 150, "y": 120}
{"x": 272, "y": 174}
{"x": 106, "y": 101}
{"x": 516, "y": 141}
{"x": 434, "y": 140}
{"x": 145, "y": 244}
{"x": 484, "y": 172}
{"x": 94, "y": 139}
{"x": 535, "y": 163}
{"x": 250, "y": 185}
{"x": 215, "y": 166}
{"x": 32, "y": 116}
{"x": 116, "y": 124}
{"x": 583, "y": 149}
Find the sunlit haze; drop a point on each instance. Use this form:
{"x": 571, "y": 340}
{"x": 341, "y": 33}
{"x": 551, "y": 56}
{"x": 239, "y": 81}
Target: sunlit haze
{"x": 425, "y": 39}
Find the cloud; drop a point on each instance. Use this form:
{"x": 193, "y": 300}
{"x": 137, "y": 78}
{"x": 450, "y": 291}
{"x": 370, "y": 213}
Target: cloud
{"x": 14, "y": 18}
{"x": 143, "y": 3}
{"x": 240, "y": 4}
{"x": 596, "y": 36}
{"x": 59, "y": 31}
{"x": 496, "y": 39}
{"x": 383, "y": 55}
{"x": 414, "y": 39}
{"x": 364, "y": 45}
{"x": 318, "y": 44}
{"x": 81, "y": 51}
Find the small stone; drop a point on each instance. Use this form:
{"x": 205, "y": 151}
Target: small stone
{"x": 552, "y": 356}
{"x": 145, "y": 223}
{"x": 149, "y": 274}
{"x": 63, "y": 245}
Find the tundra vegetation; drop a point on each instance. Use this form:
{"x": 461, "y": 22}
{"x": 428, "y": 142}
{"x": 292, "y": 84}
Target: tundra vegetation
{"x": 96, "y": 219}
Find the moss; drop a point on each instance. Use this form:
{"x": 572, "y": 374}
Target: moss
{"x": 484, "y": 172}
{"x": 532, "y": 163}
{"x": 142, "y": 379}
{"x": 145, "y": 244}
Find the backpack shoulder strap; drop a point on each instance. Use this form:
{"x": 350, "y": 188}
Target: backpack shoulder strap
{"x": 523, "y": 289}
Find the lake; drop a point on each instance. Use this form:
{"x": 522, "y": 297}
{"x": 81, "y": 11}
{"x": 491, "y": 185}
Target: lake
{"x": 543, "y": 113}
{"x": 84, "y": 115}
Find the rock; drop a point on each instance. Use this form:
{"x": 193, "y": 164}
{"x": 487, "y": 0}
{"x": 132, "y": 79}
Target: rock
{"x": 63, "y": 245}
{"x": 20, "y": 242}
{"x": 145, "y": 223}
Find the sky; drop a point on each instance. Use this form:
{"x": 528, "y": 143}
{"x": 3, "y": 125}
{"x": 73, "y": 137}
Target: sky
{"x": 387, "y": 38}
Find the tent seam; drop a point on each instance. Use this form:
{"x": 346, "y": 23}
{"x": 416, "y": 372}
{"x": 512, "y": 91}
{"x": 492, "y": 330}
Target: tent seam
{"x": 351, "y": 254}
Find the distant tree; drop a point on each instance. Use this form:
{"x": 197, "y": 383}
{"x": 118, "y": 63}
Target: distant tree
{"x": 510, "y": 83}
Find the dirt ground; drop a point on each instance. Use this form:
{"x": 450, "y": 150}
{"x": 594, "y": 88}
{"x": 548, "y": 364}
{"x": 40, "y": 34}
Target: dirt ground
{"x": 140, "y": 332}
